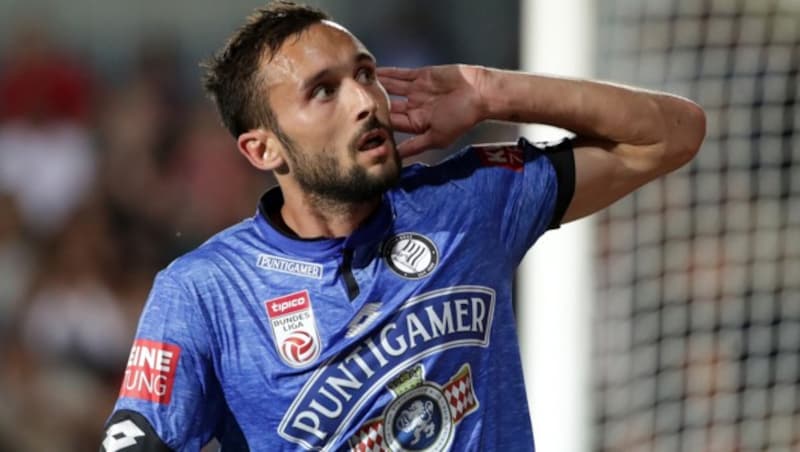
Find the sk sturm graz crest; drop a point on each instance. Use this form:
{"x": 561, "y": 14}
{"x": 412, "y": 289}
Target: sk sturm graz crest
{"x": 294, "y": 328}
{"x": 423, "y": 416}
{"x": 411, "y": 255}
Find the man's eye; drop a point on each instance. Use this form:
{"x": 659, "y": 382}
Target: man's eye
{"x": 365, "y": 75}
{"x": 322, "y": 92}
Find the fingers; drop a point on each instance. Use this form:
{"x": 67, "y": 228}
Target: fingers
{"x": 395, "y": 87}
{"x": 398, "y": 73}
{"x": 399, "y": 106}
{"x": 415, "y": 145}
{"x": 401, "y": 123}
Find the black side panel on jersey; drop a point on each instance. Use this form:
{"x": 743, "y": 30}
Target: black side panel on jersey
{"x": 129, "y": 431}
{"x": 563, "y": 161}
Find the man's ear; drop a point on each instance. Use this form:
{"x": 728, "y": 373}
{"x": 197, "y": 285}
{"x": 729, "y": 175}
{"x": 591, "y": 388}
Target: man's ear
{"x": 261, "y": 149}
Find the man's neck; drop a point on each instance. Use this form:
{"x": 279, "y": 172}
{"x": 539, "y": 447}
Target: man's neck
{"x": 310, "y": 216}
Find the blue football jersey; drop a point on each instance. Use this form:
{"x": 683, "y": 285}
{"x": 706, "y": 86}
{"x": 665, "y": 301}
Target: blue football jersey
{"x": 400, "y": 336}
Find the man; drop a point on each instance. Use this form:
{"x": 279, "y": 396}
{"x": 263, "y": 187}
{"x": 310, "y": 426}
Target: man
{"x": 365, "y": 306}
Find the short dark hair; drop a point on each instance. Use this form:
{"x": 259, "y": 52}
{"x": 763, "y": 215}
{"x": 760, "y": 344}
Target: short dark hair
{"x": 232, "y": 78}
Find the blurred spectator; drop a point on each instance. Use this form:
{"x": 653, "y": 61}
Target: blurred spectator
{"x": 73, "y": 314}
{"x": 46, "y": 156}
{"x": 49, "y": 407}
{"x": 140, "y": 121}
{"x": 40, "y": 82}
{"x": 132, "y": 135}
{"x": 67, "y": 343}
{"x": 17, "y": 262}
{"x": 215, "y": 185}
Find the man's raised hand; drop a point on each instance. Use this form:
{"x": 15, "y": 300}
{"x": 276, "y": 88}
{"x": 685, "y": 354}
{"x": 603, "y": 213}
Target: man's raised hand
{"x": 438, "y": 105}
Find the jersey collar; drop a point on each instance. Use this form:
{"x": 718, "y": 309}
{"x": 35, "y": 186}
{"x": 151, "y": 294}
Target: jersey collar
{"x": 363, "y": 241}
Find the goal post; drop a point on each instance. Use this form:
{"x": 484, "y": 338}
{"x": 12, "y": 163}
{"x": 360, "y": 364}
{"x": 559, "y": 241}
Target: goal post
{"x": 555, "y": 281}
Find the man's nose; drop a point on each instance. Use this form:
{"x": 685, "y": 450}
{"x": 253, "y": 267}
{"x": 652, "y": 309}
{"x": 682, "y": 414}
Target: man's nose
{"x": 364, "y": 101}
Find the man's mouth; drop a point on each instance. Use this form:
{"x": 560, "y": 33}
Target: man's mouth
{"x": 372, "y": 139}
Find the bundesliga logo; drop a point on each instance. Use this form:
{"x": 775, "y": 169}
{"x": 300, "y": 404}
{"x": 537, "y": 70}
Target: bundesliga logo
{"x": 299, "y": 347}
{"x": 294, "y": 328}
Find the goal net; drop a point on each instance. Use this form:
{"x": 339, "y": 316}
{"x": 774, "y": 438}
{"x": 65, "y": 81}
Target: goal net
{"x": 697, "y": 323}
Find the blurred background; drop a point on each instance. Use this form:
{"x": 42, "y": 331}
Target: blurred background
{"x": 112, "y": 163}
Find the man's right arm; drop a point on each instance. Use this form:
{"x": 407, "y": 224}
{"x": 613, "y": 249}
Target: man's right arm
{"x": 169, "y": 398}
{"x": 625, "y": 136}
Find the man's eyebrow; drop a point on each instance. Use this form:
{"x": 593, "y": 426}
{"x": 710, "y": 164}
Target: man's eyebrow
{"x": 324, "y": 73}
{"x": 321, "y": 75}
{"x": 364, "y": 55}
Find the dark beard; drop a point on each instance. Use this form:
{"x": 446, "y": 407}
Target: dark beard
{"x": 320, "y": 175}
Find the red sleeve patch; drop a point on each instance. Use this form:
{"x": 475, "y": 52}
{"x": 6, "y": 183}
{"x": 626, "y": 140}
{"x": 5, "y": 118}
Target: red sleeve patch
{"x": 151, "y": 371}
{"x": 510, "y": 157}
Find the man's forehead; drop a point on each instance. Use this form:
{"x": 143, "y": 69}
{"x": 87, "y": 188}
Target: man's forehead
{"x": 316, "y": 47}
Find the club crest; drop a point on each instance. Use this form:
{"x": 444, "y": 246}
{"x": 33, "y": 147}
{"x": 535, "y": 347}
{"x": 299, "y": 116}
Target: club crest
{"x": 411, "y": 255}
{"x": 423, "y": 415}
{"x": 294, "y": 328}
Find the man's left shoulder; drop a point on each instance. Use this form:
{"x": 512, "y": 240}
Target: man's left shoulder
{"x": 215, "y": 254}
{"x": 510, "y": 155}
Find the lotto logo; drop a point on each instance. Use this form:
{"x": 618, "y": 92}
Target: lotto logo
{"x": 151, "y": 371}
{"x": 510, "y": 157}
{"x": 288, "y": 304}
{"x": 121, "y": 436}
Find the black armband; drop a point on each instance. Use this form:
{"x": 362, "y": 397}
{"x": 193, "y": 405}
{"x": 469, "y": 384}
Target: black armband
{"x": 129, "y": 431}
{"x": 563, "y": 161}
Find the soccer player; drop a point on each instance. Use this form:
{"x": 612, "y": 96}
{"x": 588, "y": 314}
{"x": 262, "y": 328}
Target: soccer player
{"x": 367, "y": 306}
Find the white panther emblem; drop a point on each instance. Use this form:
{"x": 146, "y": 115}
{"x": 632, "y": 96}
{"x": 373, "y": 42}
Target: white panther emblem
{"x": 417, "y": 419}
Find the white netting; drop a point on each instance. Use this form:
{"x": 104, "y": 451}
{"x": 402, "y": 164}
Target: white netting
{"x": 698, "y": 321}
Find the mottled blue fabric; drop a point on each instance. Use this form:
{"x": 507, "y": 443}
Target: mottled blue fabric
{"x": 425, "y": 356}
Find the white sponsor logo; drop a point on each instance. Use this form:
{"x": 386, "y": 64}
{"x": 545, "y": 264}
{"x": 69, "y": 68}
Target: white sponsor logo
{"x": 292, "y": 303}
{"x": 290, "y": 266}
{"x": 121, "y": 435}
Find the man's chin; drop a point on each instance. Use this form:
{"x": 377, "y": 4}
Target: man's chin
{"x": 387, "y": 174}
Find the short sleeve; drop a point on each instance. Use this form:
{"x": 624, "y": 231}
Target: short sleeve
{"x": 515, "y": 191}
{"x": 169, "y": 398}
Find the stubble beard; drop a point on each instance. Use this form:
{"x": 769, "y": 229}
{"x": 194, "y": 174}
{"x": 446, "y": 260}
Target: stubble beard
{"x": 329, "y": 185}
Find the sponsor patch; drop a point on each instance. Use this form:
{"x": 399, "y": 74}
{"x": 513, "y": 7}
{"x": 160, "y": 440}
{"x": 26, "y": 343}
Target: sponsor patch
{"x": 289, "y": 266}
{"x": 410, "y": 255}
{"x": 338, "y": 391}
{"x": 423, "y": 415}
{"x": 506, "y": 156}
{"x": 151, "y": 371}
{"x": 294, "y": 328}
